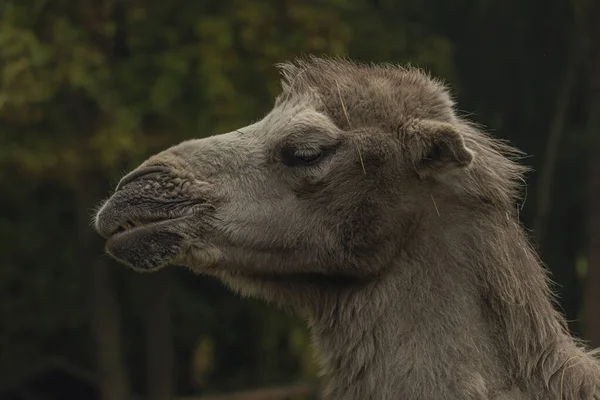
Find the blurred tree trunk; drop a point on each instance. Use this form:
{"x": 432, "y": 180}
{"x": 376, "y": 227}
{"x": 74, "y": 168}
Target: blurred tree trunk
{"x": 593, "y": 129}
{"x": 105, "y": 310}
{"x": 159, "y": 342}
{"x": 592, "y": 301}
{"x": 107, "y": 332}
{"x": 556, "y": 129}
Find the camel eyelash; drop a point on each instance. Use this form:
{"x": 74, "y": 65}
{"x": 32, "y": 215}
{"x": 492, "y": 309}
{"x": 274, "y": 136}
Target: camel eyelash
{"x": 296, "y": 157}
{"x": 305, "y": 156}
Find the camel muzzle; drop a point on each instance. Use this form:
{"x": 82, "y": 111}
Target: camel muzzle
{"x": 142, "y": 220}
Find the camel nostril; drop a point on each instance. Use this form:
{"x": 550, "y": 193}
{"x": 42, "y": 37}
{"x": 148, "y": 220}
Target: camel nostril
{"x": 138, "y": 173}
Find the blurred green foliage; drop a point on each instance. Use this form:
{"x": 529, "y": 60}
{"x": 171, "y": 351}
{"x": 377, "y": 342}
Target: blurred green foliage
{"x": 88, "y": 89}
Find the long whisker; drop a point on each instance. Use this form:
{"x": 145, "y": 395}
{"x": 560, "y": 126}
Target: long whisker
{"x": 350, "y": 125}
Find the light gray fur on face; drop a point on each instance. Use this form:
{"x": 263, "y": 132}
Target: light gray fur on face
{"x": 400, "y": 242}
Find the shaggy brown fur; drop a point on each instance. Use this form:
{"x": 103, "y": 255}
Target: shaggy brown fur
{"x": 364, "y": 202}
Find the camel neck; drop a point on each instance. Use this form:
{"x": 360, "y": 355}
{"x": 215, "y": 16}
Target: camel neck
{"x": 443, "y": 324}
{"x": 402, "y": 337}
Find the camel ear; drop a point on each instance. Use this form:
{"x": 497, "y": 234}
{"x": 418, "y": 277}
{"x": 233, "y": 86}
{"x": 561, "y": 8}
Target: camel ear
{"x": 437, "y": 147}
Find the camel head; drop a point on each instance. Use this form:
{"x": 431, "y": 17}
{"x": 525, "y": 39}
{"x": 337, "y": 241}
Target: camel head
{"x": 330, "y": 185}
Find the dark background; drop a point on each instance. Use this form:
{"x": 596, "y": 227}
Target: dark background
{"x": 90, "y": 88}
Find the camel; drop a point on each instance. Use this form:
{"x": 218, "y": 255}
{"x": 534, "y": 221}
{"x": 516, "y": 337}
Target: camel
{"x": 365, "y": 203}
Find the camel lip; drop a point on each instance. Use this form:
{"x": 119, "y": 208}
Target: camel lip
{"x": 147, "y": 247}
{"x": 129, "y": 233}
{"x": 133, "y": 225}
{"x": 130, "y": 227}
{"x": 112, "y": 221}
{"x": 141, "y": 225}
{"x": 117, "y": 216}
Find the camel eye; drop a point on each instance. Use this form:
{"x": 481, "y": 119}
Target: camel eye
{"x": 308, "y": 156}
{"x": 299, "y": 157}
